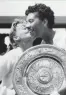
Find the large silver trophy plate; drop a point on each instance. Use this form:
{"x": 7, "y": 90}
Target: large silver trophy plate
{"x": 40, "y": 70}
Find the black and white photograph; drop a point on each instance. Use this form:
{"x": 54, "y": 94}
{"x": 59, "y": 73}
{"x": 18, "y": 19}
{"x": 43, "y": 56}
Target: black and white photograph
{"x": 32, "y": 47}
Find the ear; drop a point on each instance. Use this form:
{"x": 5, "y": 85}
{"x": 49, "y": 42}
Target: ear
{"x": 45, "y": 22}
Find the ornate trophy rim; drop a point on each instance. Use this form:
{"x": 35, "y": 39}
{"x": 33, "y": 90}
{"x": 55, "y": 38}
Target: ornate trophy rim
{"x": 28, "y": 61}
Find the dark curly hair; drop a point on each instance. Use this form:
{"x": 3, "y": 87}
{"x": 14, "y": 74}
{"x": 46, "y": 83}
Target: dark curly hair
{"x": 43, "y": 11}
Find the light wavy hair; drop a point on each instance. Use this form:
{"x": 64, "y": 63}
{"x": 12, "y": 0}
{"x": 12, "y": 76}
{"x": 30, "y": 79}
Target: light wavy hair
{"x": 12, "y": 34}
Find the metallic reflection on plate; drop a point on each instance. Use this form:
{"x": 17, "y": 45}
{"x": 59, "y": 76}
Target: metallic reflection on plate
{"x": 40, "y": 70}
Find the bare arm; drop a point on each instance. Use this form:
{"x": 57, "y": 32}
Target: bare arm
{"x": 3, "y": 67}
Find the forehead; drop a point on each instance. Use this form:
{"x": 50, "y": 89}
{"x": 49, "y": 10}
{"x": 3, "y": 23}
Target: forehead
{"x": 32, "y": 15}
{"x": 21, "y": 25}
